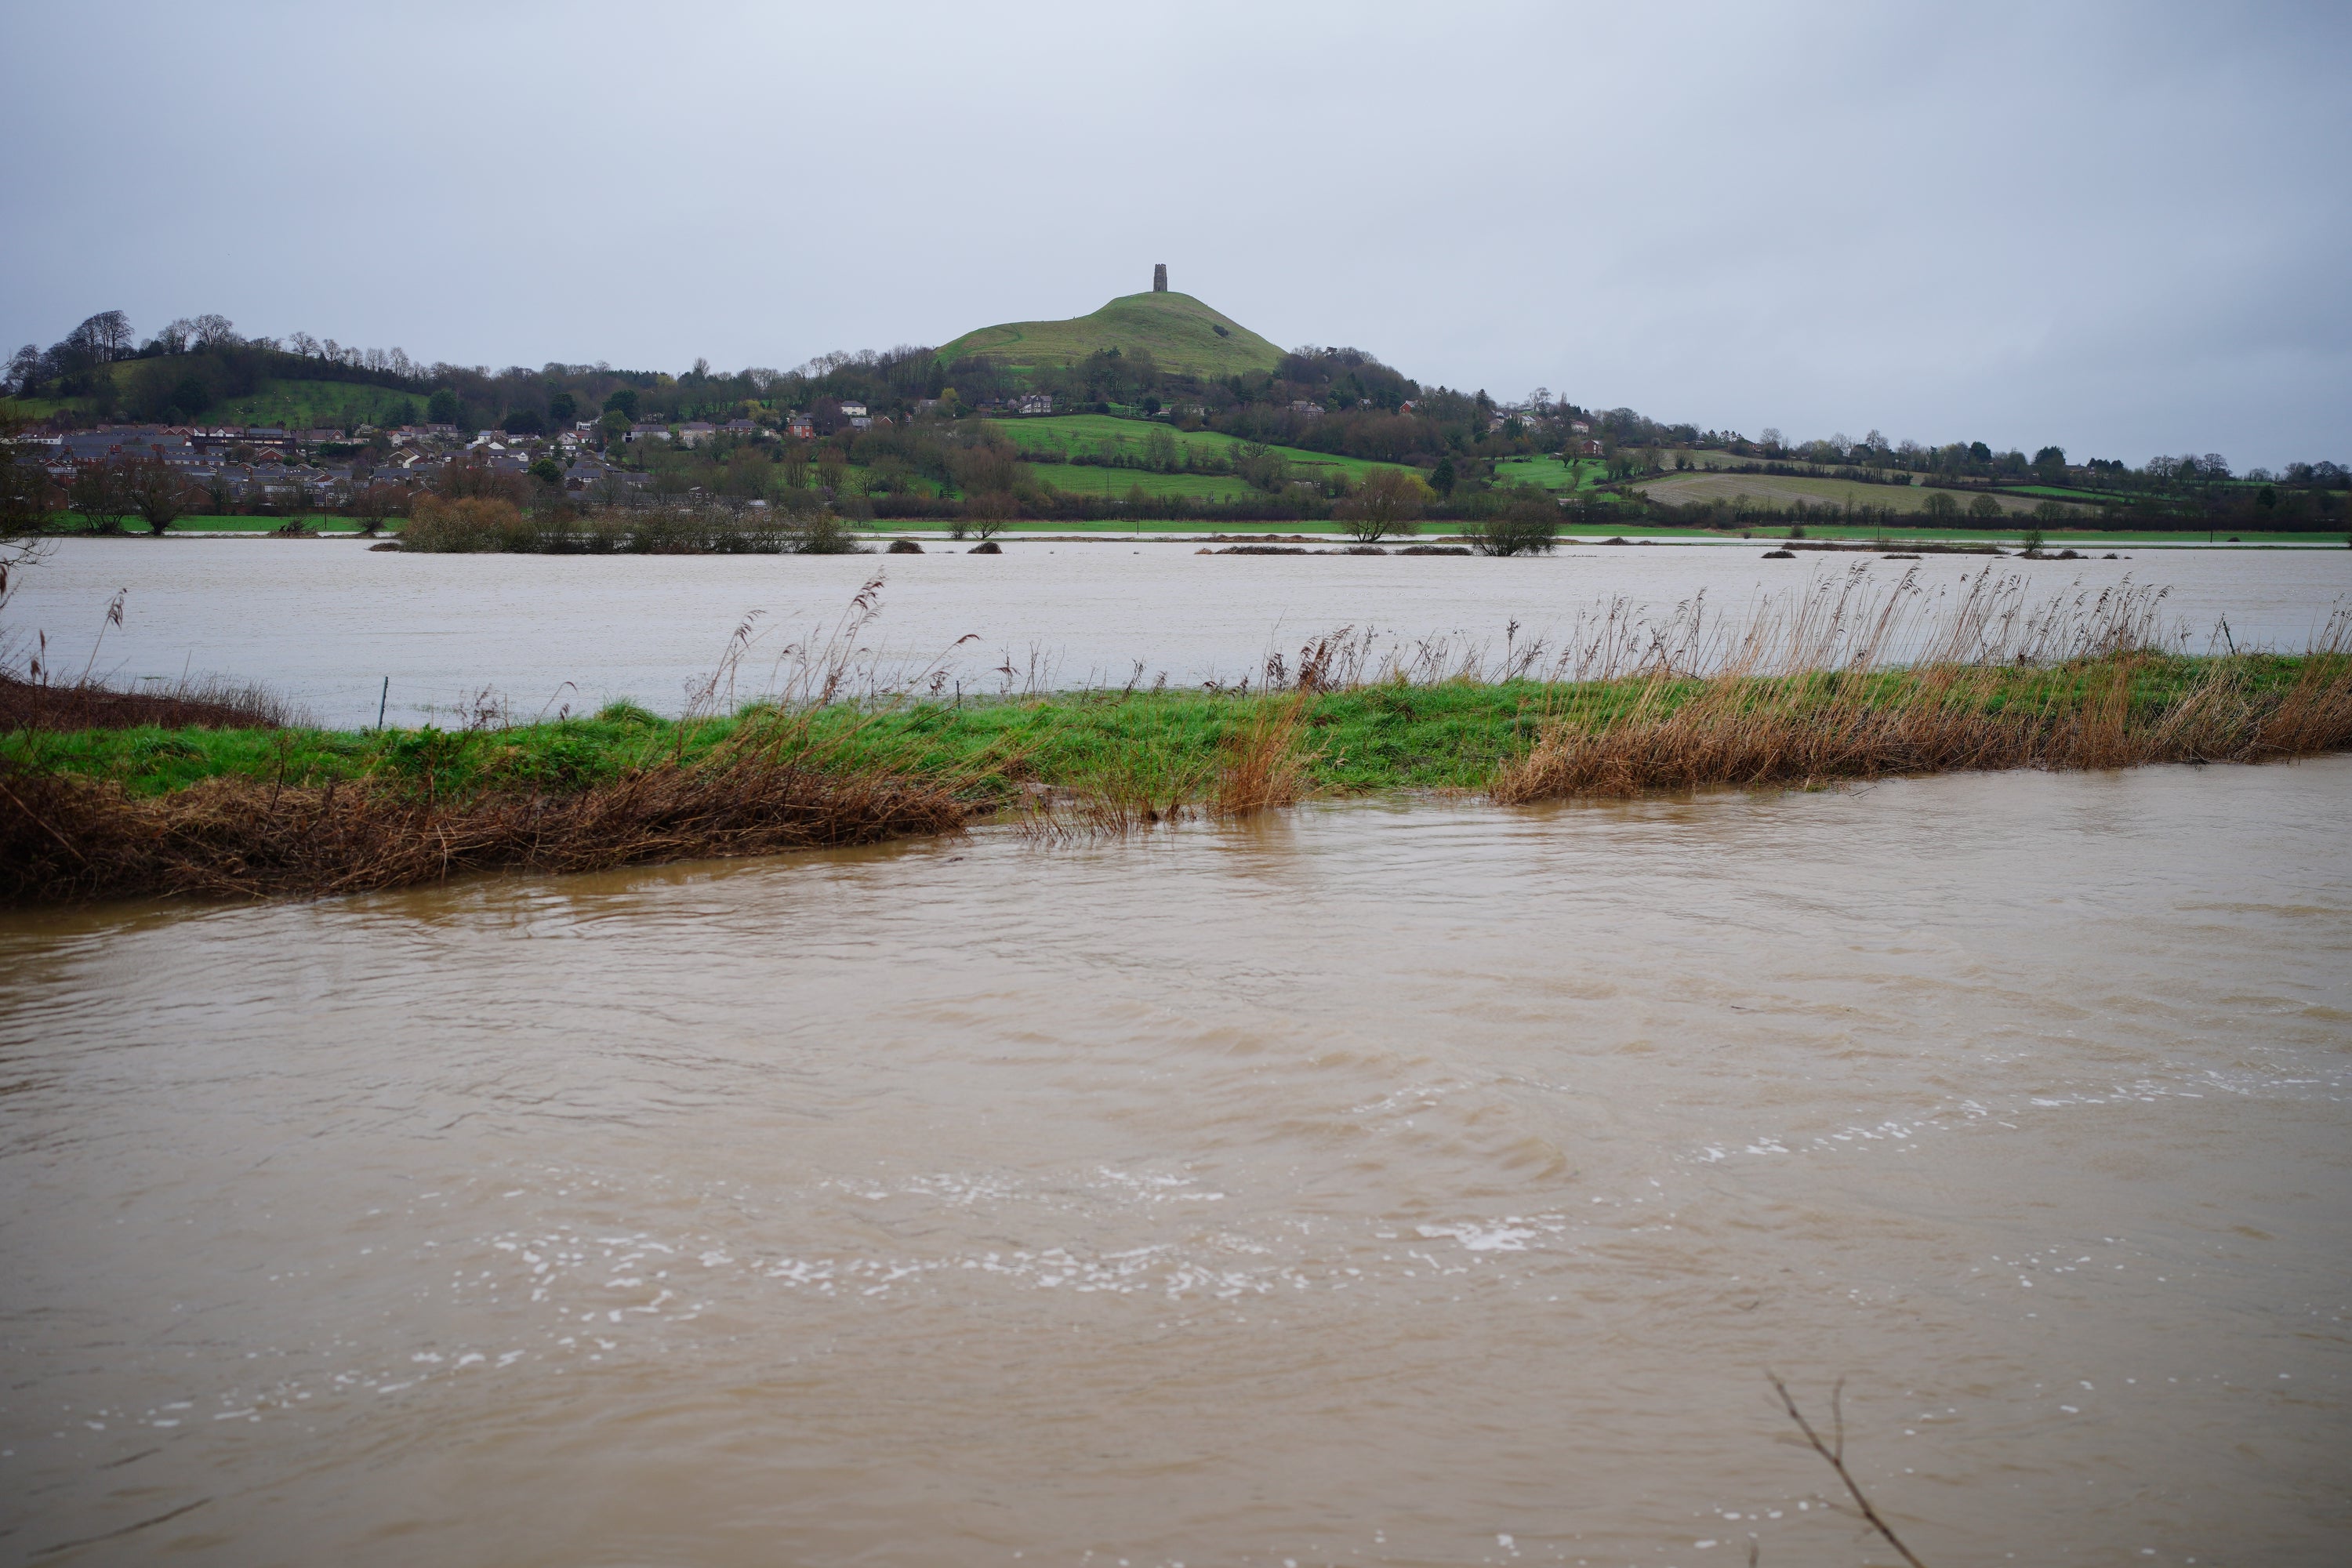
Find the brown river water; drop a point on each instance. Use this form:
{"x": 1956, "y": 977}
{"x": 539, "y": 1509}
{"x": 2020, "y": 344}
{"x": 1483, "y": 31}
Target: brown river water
{"x": 1398, "y": 1183}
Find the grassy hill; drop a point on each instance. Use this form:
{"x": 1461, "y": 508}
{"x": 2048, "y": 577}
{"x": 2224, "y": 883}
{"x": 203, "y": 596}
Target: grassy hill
{"x": 1178, "y": 332}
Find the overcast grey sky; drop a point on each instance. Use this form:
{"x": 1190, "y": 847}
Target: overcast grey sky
{"x": 2121, "y": 228}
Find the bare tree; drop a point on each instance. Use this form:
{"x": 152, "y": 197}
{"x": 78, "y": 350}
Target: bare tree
{"x": 210, "y": 330}
{"x": 157, "y": 493}
{"x": 108, "y": 335}
{"x": 372, "y": 504}
{"x": 101, "y": 492}
{"x": 24, "y": 500}
{"x": 1389, "y": 502}
{"x": 25, "y": 368}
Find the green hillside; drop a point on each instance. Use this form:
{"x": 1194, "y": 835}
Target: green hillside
{"x": 1052, "y": 440}
{"x": 1178, "y": 332}
{"x": 303, "y": 404}
{"x": 294, "y": 403}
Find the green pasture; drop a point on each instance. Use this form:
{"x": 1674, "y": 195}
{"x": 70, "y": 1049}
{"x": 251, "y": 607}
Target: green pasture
{"x": 1769, "y": 489}
{"x": 1070, "y": 434}
{"x": 1085, "y": 479}
{"x": 1549, "y": 473}
{"x": 308, "y": 404}
{"x": 70, "y": 526}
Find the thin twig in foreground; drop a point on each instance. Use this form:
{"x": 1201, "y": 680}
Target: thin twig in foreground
{"x": 1834, "y": 1452}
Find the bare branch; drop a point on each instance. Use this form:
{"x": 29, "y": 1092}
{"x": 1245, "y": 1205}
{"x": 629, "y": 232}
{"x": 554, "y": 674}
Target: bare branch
{"x": 1834, "y": 1452}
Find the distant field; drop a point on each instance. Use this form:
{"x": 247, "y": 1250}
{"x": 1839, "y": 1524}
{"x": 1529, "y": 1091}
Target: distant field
{"x": 1553, "y": 473}
{"x": 1549, "y": 473}
{"x": 1069, "y": 434}
{"x": 1086, "y": 480}
{"x": 2060, "y": 493}
{"x": 1680, "y": 490}
{"x": 69, "y": 525}
{"x": 302, "y": 405}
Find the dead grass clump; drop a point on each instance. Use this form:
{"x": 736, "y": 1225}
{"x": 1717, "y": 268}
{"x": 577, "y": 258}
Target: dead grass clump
{"x": 2110, "y": 709}
{"x": 1060, "y": 819}
{"x": 64, "y": 837}
{"x": 186, "y": 705}
{"x": 1265, "y": 761}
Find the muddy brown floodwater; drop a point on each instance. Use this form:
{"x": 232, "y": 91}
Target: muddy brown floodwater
{"x": 1377, "y": 1183}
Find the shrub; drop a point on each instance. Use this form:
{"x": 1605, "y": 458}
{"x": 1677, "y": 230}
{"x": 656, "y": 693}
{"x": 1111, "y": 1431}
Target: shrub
{"x": 468, "y": 523}
{"x": 1526, "y": 527}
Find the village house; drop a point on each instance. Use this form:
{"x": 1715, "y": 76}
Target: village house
{"x": 695, "y": 432}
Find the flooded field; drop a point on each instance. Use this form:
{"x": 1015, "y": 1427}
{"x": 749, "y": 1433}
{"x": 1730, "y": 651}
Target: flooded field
{"x": 341, "y": 628}
{"x": 1408, "y": 1183}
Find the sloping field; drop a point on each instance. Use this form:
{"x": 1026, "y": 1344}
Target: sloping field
{"x": 296, "y": 404}
{"x": 1178, "y": 332}
{"x": 1769, "y": 489}
{"x": 1549, "y": 473}
{"x": 300, "y": 405}
{"x": 1063, "y": 436}
{"x": 1087, "y": 480}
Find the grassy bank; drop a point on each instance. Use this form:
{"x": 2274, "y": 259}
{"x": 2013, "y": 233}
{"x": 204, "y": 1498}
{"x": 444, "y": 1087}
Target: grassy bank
{"x": 251, "y": 811}
{"x": 1457, "y": 735}
{"x": 208, "y": 789}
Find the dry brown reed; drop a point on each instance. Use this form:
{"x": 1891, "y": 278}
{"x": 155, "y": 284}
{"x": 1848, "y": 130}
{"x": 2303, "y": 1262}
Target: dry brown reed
{"x": 66, "y": 837}
{"x": 1265, "y": 761}
{"x": 90, "y": 704}
{"x": 1810, "y": 695}
{"x": 1061, "y": 817}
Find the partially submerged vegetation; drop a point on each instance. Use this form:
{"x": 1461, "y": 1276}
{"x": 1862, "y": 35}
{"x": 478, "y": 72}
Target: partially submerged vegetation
{"x": 1845, "y": 681}
{"x": 307, "y": 813}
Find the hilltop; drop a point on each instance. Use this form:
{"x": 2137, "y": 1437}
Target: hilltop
{"x": 1180, "y": 333}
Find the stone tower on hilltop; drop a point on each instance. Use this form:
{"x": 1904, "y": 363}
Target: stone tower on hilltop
{"x": 1160, "y": 277}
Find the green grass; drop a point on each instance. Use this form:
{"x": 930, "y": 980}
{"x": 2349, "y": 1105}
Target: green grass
{"x": 1178, "y": 332}
{"x": 293, "y": 405}
{"x": 2063, "y": 492}
{"x": 71, "y": 526}
{"x": 1773, "y": 489}
{"x": 1158, "y": 744}
{"x": 305, "y": 404}
{"x": 1549, "y": 473}
{"x": 1088, "y": 480}
{"x": 1077, "y": 433}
